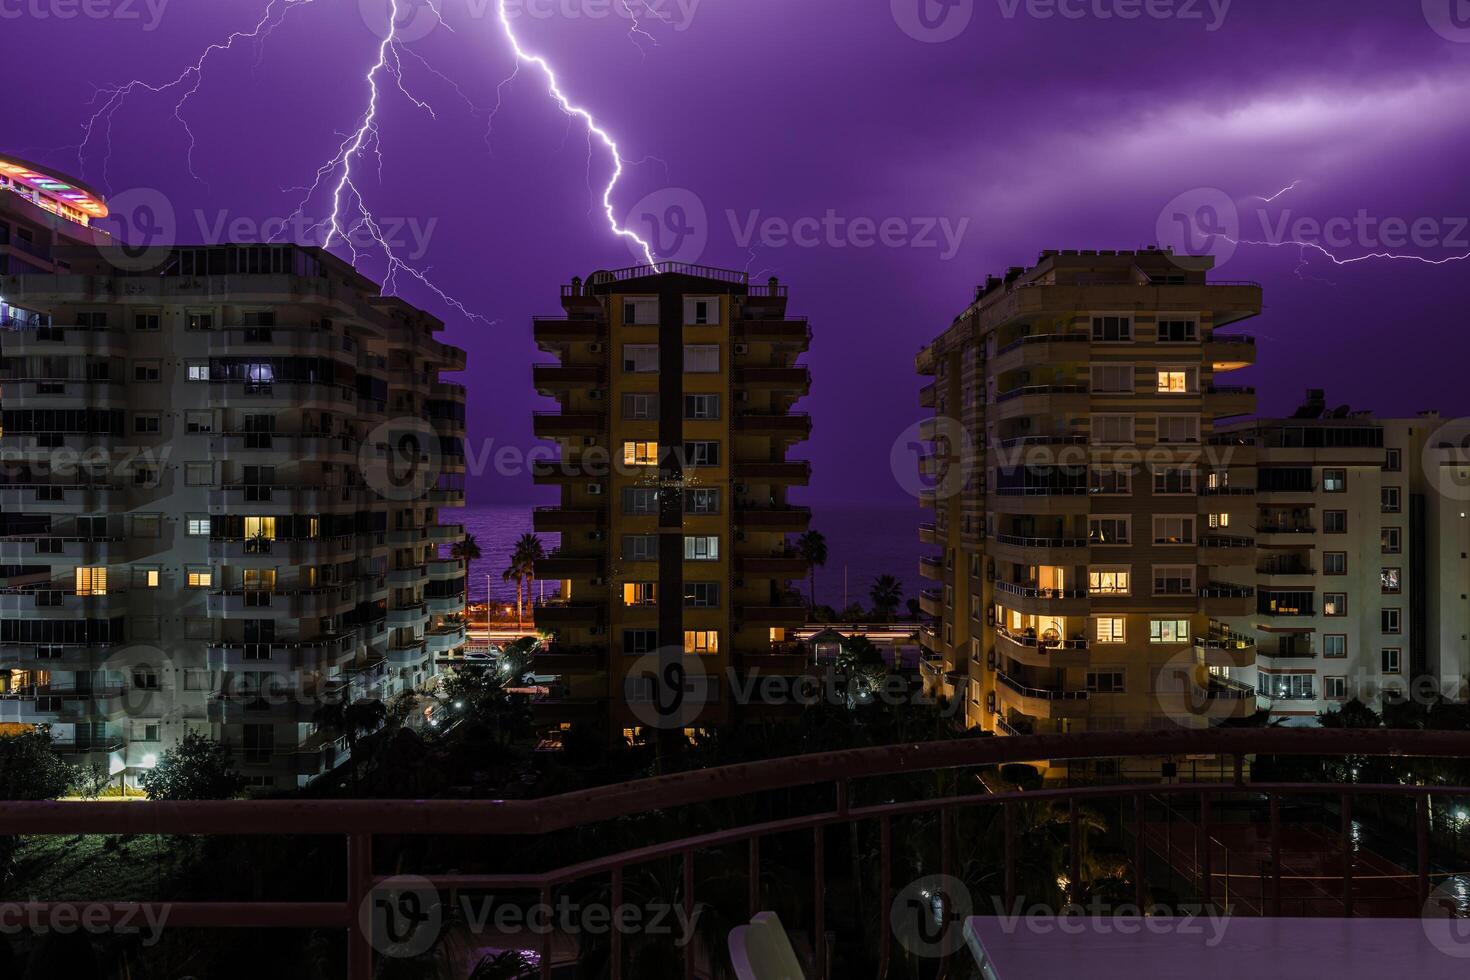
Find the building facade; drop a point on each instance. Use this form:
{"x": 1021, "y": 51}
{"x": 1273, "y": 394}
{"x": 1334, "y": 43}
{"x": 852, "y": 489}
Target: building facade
{"x": 1092, "y": 531}
{"x": 223, "y": 474}
{"x": 675, "y": 387}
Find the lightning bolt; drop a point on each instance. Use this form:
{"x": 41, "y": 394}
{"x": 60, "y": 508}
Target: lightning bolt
{"x": 1335, "y": 260}
{"x": 1289, "y": 187}
{"x": 594, "y": 131}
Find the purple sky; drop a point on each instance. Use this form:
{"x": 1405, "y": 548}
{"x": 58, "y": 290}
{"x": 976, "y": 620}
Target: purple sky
{"x": 1027, "y": 131}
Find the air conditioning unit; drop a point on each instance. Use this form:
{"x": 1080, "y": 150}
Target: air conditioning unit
{"x": 742, "y": 488}
{"x": 594, "y": 489}
{"x": 595, "y": 348}
{"x": 742, "y": 348}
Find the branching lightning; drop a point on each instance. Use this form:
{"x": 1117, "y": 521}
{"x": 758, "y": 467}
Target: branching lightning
{"x": 1289, "y": 187}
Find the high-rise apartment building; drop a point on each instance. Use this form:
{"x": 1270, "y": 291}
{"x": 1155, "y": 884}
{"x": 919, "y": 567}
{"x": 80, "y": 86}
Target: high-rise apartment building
{"x": 675, "y": 387}
{"x": 222, "y": 480}
{"x": 1092, "y": 530}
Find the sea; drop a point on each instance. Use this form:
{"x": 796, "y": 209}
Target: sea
{"x": 863, "y": 542}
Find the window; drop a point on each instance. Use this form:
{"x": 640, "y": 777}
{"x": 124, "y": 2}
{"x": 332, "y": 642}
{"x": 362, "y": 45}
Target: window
{"x": 640, "y": 358}
{"x": 1177, "y": 331}
{"x": 701, "y": 358}
{"x": 1168, "y": 631}
{"x": 1114, "y": 580}
{"x": 640, "y": 593}
{"x": 702, "y": 500}
{"x": 703, "y": 452}
{"x": 1391, "y": 580}
{"x": 198, "y": 474}
{"x": 197, "y": 526}
{"x": 1218, "y": 521}
{"x": 1110, "y": 530}
{"x": 196, "y": 680}
{"x": 640, "y": 405}
{"x": 1114, "y": 481}
{"x": 1111, "y": 328}
{"x": 199, "y": 320}
{"x": 1389, "y": 620}
{"x": 640, "y": 547}
{"x": 147, "y": 423}
{"x": 1334, "y": 563}
{"x": 92, "y": 580}
{"x": 1334, "y": 688}
{"x": 144, "y": 476}
{"x": 145, "y": 371}
{"x": 1391, "y": 541}
{"x": 1110, "y": 629}
{"x": 642, "y": 310}
{"x": 640, "y": 500}
{"x": 702, "y": 595}
{"x": 1177, "y": 380}
{"x": 1174, "y": 479}
{"x": 1178, "y": 428}
{"x": 145, "y": 525}
{"x": 1112, "y": 429}
{"x": 198, "y": 371}
{"x": 1391, "y": 660}
{"x": 701, "y": 548}
{"x": 1389, "y": 496}
{"x": 1334, "y": 646}
{"x": 1288, "y": 687}
{"x": 1334, "y": 481}
{"x": 1334, "y": 603}
{"x": 146, "y": 321}
{"x": 1173, "y": 580}
{"x": 1105, "y": 681}
{"x": 1112, "y": 379}
{"x": 196, "y": 422}
{"x": 1334, "y": 522}
{"x": 640, "y": 453}
{"x": 199, "y": 576}
{"x": 261, "y": 531}
{"x": 701, "y": 407}
{"x": 1173, "y": 529}
{"x": 701, "y": 641}
{"x": 640, "y": 641}
{"x": 1393, "y": 460}
{"x": 146, "y": 578}
{"x": 700, "y": 310}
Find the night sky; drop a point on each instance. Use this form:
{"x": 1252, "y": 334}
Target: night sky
{"x": 1023, "y": 132}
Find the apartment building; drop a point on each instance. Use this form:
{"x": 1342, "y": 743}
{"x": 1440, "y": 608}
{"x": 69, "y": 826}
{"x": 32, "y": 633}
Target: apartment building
{"x": 220, "y": 502}
{"x": 1360, "y": 566}
{"x": 675, "y": 386}
{"x": 1091, "y": 529}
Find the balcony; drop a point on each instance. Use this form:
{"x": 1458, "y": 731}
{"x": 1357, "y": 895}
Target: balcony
{"x": 786, "y": 519}
{"x": 407, "y": 575}
{"x": 568, "y": 567}
{"x": 445, "y": 533}
{"x": 793, "y": 472}
{"x": 790, "y": 427}
{"x": 445, "y": 569}
{"x": 561, "y": 658}
{"x": 554, "y": 616}
{"x": 1226, "y": 599}
{"x": 1028, "y": 598}
{"x": 54, "y": 702}
{"x": 445, "y": 605}
{"x": 1044, "y": 348}
{"x": 1041, "y": 551}
{"x": 792, "y": 379}
{"x": 280, "y": 603}
{"x": 1230, "y": 353}
{"x": 1226, "y": 649}
{"x": 407, "y": 653}
{"x": 555, "y": 333}
{"x": 558, "y": 425}
{"x": 927, "y": 395}
{"x": 553, "y": 379}
{"x": 1225, "y": 401}
{"x": 931, "y": 602}
{"x": 929, "y": 534}
{"x": 563, "y": 520}
{"x": 931, "y": 568}
{"x": 1040, "y": 702}
{"x": 1220, "y": 549}
{"x": 1045, "y": 651}
{"x": 780, "y": 566}
{"x": 790, "y": 613}
{"x": 793, "y": 331}
{"x": 311, "y": 656}
{"x": 1055, "y": 400}
{"x": 409, "y": 615}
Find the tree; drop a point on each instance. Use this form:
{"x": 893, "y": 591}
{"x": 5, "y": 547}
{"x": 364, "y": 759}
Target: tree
{"x": 31, "y": 770}
{"x": 523, "y": 558}
{"x": 886, "y": 594}
{"x": 812, "y": 547}
{"x": 197, "y": 768}
{"x": 351, "y": 720}
{"x": 468, "y": 551}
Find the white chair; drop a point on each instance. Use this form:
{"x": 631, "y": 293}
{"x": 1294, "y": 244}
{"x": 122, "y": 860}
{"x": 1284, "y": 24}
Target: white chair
{"x": 762, "y": 950}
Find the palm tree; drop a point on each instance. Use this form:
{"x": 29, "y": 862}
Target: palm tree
{"x": 886, "y": 594}
{"x": 812, "y": 547}
{"x": 468, "y": 551}
{"x": 351, "y": 719}
{"x": 523, "y": 558}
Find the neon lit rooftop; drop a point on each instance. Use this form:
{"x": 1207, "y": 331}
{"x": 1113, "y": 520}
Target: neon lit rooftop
{"x": 56, "y": 192}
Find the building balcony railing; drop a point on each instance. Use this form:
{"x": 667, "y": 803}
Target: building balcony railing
{"x": 797, "y": 472}
{"x": 552, "y": 378}
{"x": 1040, "y": 693}
{"x": 795, "y": 425}
{"x": 1044, "y": 338}
{"x": 1031, "y": 591}
{"x": 792, "y": 519}
{"x": 558, "y": 615}
{"x": 569, "y": 567}
{"x": 557, "y": 520}
{"x": 1026, "y": 390}
{"x": 798, "y": 379}
{"x": 1054, "y": 440}
{"x": 1020, "y": 541}
{"x": 559, "y": 425}
{"x": 1227, "y": 491}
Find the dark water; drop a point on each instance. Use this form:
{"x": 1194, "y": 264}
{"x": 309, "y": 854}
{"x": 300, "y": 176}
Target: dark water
{"x": 862, "y": 542}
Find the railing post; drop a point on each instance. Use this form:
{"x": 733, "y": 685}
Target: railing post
{"x": 359, "y": 890}
{"x": 754, "y": 875}
{"x": 545, "y": 946}
{"x": 615, "y": 955}
{"x": 1347, "y": 855}
{"x": 819, "y": 902}
{"x": 885, "y": 885}
{"x": 1140, "y": 883}
{"x": 1275, "y": 855}
{"x": 1075, "y": 856}
{"x": 1008, "y": 815}
{"x": 1207, "y": 877}
{"x": 1421, "y": 821}
{"x": 689, "y": 946}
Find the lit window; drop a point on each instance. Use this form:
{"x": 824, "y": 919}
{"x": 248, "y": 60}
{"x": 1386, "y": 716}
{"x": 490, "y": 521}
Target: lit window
{"x": 1173, "y": 530}
{"x": 1175, "y": 381}
{"x": 92, "y": 581}
{"x": 1111, "y": 629}
{"x": 198, "y": 372}
{"x": 1168, "y": 631}
{"x": 1334, "y": 603}
{"x": 640, "y": 593}
{"x": 1109, "y": 581}
{"x": 200, "y": 577}
{"x": 702, "y": 548}
{"x": 640, "y": 454}
{"x": 1334, "y": 481}
{"x": 701, "y": 641}
{"x": 198, "y": 527}
{"x": 1390, "y": 578}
